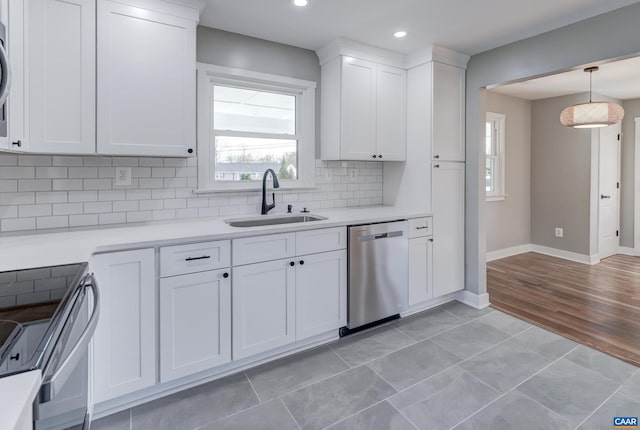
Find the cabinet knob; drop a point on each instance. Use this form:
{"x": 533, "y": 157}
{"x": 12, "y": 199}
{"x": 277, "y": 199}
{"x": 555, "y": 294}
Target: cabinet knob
{"x": 380, "y": 156}
{"x": 437, "y": 166}
{"x": 190, "y": 150}
{"x": 293, "y": 263}
{"x": 17, "y": 143}
{"x": 436, "y": 156}
{"x": 225, "y": 275}
{"x": 431, "y": 240}
{"x": 301, "y": 262}
{"x": 374, "y": 156}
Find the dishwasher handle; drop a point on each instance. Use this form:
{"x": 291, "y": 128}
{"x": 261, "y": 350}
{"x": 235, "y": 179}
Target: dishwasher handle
{"x": 377, "y": 236}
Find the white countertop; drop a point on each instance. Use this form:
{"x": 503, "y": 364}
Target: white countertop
{"x": 16, "y": 397}
{"x": 50, "y": 248}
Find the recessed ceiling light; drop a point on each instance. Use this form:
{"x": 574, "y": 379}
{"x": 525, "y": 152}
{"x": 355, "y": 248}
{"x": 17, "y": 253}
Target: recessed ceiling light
{"x": 300, "y": 2}
{"x": 400, "y": 34}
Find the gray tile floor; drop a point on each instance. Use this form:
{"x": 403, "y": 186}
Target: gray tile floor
{"x": 450, "y": 367}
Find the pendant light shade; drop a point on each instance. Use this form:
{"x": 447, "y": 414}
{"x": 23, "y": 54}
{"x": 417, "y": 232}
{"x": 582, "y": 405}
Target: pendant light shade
{"x": 592, "y": 114}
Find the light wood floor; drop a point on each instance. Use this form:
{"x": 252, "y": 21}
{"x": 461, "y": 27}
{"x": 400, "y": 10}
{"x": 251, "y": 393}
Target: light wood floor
{"x": 597, "y": 305}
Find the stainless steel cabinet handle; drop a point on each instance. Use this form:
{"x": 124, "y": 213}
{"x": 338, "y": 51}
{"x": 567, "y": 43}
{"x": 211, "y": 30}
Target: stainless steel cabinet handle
{"x": 602, "y": 196}
{"x": 204, "y": 257}
{"x": 15, "y": 357}
{"x": 422, "y": 227}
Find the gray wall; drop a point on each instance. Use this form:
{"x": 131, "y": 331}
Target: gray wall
{"x": 627, "y": 176}
{"x": 243, "y": 52}
{"x": 560, "y": 177}
{"x": 611, "y": 35}
{"x": 509, "y": 220}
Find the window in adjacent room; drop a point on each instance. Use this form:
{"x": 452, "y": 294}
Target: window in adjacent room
{"x": 249, "y": 122}
{"x": 495, "y": 156}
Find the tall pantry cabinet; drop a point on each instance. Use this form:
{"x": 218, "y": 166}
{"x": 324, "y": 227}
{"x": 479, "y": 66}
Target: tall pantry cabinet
{"x": 435, "y": 166}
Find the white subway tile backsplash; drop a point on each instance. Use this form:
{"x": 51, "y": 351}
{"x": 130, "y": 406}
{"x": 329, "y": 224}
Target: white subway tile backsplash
{"x": 67, "y": 184}
{"x": 97, "y": 207}
{"x": 8, "y": 185}
{"x": 34, "y": 210}
{"x": 60, "y": 191}
{"x": 67, "y": 209}
{"x": 34, "y": 160}
{"x": 16, "y": 224}
{"x": 51, "y": 172}
{"x": 8, "y": 160}
{"x": 83, "y": 220}
{"x": 83, "y": 196}
{"x": 113, "y": 218}
{"x": 83, "y": 172}
{"x": 52, "y": 222}
{"x": 34, "y": 185}
{"x": 17, "y": 173}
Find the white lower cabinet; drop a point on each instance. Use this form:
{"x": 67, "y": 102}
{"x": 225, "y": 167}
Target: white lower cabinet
{"x": 321, "y": 293}
{"x": 448, "y": 227}
{"x": 195, "y": 323}
{"x": 420, "y": 270}
{"x": 263, "y": 307}
{"x": 125, "y": 338}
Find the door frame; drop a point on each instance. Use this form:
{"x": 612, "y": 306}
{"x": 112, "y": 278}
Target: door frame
{"x": 636, "y": 188}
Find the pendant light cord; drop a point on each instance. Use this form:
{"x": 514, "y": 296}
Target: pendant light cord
{"x": 590, "y": 77}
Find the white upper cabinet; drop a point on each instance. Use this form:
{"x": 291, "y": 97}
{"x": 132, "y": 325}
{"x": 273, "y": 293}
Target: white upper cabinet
{"x": 448, "y": 112}
{"x": 363, "y": 106}
{"x": 52, "y": 104}
{"x": 146, "y": 81}
{"x": 142, "y": 92}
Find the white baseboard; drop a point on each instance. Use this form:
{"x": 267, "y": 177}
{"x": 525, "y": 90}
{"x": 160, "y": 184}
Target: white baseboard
{"x": 508, "y": 252}
{"x": 567, "y": 255}
{"x": 478, "y": 301}
{"x": 624, "y": 250}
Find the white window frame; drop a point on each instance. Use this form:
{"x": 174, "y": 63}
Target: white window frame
{"x": 499, "y": 192}
{"x": 210, "y": 75}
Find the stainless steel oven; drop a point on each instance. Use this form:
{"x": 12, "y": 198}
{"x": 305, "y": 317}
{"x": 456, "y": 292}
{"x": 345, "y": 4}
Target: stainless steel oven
{"x": 47, "y": 318}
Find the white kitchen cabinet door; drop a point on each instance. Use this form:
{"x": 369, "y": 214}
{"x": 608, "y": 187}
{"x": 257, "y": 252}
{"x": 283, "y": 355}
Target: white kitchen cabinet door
{"x": 391, "y": 118}
{"x": 125, "y": 337}
{"x": 321, "y": 293}
{"x": 195, "y": 323}
{"x": 448, "y": 112}
{"x": 358, "y": 107}
{"x": 61, "y": 58}
{"x": 263, "y": 307}
{"x": 146, "y": 82}
{"x": 448, "y": 227}
{"x": 420, "y": 270}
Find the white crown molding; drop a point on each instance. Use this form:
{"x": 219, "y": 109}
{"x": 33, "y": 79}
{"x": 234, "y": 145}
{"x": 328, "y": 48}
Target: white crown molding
{"x": 187, "y": 9}
{"x": 436, "y": 53}
{"x": 351, "y": 48}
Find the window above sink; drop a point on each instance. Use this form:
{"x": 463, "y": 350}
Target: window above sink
{"x": 249, "y": 122}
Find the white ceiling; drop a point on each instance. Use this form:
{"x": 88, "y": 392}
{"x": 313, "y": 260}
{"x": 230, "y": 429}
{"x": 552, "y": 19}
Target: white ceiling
{"x": 618, "y": 80}
{"x": 468, "y": 26}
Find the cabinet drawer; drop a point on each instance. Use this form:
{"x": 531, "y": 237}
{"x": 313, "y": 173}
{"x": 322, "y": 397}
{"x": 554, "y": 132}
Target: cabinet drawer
{"x": 419, "y": 227}
{"x": 322, "y": 240}
{"x": 263, "y": 248}
{"x": 194, "y": 257}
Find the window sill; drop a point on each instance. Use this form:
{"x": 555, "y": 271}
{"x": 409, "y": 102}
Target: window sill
{"x": 498, "y": 198}
{"x": 282, "y": 189}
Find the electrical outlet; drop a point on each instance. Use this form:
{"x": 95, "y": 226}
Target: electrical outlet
{"x": 123, "y": 176}
{"x": 559, "y": 232}
{"x": 353, "y": 174}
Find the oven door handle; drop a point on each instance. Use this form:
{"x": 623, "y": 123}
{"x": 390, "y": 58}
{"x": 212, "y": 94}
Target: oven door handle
{"x": 68, "y": 365}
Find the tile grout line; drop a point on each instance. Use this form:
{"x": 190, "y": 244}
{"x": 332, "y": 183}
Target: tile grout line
{"x": 289, "y": 412}
{"x": 340, "y": 357}
{"x": 253, "y": 388}
{"x": 405, "y": 417}
{"x": 599, "y": 406}
{"x": 354, "y": 414}
{"x": 514, "y": 389}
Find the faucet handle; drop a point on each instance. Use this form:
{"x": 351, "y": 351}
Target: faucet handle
{"x": 289, "y": 209}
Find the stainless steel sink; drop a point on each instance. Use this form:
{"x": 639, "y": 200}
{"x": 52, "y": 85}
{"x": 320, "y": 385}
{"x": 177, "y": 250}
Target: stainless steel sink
{"x": 272, "y": 220}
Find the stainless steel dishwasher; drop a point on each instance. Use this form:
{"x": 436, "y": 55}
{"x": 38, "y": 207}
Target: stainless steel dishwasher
{"x": 378, "y": 268}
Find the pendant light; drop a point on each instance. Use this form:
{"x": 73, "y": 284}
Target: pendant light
{"x": 592, "y": 114}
